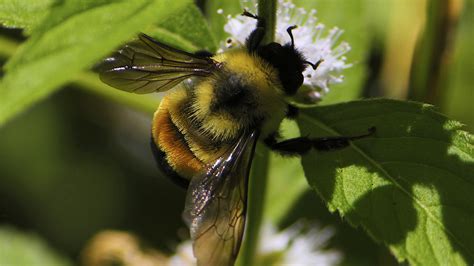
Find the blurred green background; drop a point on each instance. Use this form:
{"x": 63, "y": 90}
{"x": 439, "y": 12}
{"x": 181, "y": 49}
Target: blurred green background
{"x": 78, "y": 163}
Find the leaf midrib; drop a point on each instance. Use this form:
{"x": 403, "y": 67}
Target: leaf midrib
{"x": 446, "y": 171}
{"x": 321, "y": 125}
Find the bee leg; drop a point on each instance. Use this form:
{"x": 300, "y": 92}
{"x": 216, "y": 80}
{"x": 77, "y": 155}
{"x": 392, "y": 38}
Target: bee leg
{"x": 289, "y": 147}
{"x": 255, "y": 38}
{"x": 292, "y": 112}
{"x": 302, "y": 145}
{"x": 335, "y": 143}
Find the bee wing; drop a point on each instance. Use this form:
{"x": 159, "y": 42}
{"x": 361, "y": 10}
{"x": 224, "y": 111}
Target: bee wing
{"x": 145, "y": 66}
{"x": 216, "y": 205}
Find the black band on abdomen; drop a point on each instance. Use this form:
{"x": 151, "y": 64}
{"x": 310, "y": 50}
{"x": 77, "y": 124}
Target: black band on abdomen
{"x": 163, "y": 165}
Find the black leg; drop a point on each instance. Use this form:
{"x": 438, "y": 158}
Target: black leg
{"x": 302, "y": 145}
{"x": 289, "y": 147}
{"x": 292, "y": 112}
{"x": 256, "y": 37}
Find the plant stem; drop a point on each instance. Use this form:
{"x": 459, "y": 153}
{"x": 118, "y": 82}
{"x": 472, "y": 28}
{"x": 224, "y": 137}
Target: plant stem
{"x": 267, "y": 10}
{"x": 259, "y": 172}
{"x": 255, "y": 205}
{"x": 433, "y": 54}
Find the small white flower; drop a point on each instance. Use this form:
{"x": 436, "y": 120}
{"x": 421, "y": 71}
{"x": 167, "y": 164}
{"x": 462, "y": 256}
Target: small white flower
{"x": 310, "y": 39}
{"x": 292, "y": 246}
{"x": 298, "y": 247}
{"x": 184, "y": 255}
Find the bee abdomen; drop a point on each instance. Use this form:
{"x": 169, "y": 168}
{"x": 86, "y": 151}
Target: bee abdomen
{"x": 165, "y": 167}
{"x": 171, "y": 151}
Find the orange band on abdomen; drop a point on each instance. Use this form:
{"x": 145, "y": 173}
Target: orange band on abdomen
{"x": 168, "y": 139}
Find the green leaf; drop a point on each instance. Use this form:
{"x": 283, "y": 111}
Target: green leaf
{"x": 187, "y": 29}
{"x": 409, "y": 186}
{"x": 18, "y": 248}
{"x": 23, "y": 13}
{"x": 71, "y": 38}
{"x": 89, "y": 81}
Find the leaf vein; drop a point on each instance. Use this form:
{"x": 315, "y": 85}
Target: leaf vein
{"x": 449, "y": 172}
{"x": 430, "y": 244}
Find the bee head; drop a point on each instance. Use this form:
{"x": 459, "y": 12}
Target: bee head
{"x": 289, "y": 62}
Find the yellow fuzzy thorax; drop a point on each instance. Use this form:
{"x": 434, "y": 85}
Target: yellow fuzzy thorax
{"x": 258, "y": 75}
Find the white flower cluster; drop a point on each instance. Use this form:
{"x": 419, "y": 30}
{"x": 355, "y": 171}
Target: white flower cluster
{"x": 310, "y": 39}
{"x": 294, "y": 246}
{"x": 299, "y": 247}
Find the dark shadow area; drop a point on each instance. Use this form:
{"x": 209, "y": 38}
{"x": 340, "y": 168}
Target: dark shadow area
{"x": 69, "y": 170}
{"x": 378, "y": 205}
{"x": 373, "y": 86}
{"x": 16, "y": 34}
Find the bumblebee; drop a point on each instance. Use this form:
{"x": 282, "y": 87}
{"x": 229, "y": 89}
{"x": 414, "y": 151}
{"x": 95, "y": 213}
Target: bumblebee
{"x": 204, "y": 133}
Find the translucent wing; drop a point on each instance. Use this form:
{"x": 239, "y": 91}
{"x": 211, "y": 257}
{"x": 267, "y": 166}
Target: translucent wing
{"x": 216, "y": 205}
{"x": 145, "y": 66}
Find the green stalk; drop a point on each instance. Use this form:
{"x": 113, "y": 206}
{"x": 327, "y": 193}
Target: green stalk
{"x": 267, "y": 10}
{"x": 255, "y": 206}
{"x": 259, "y": 171}
{"x": 433, "y": 53}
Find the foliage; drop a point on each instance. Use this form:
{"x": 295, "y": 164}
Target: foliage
{"x": 23, "y": 14}
{"x": 17, "y": 248}
{"x": 408, "y": 186}
{"x": 69, "y": 36}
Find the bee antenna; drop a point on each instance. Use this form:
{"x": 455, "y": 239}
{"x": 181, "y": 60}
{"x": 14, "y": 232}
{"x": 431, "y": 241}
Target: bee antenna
{"x": 314, "y": 65}
{"x": 289, "y": 29}
{"x": 250, "y": 15}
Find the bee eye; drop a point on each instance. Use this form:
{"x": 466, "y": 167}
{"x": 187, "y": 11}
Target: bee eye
{"x": 274, "y": 48}
{"x": 292, "y": 82}
{"x": 299, "y": 79}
